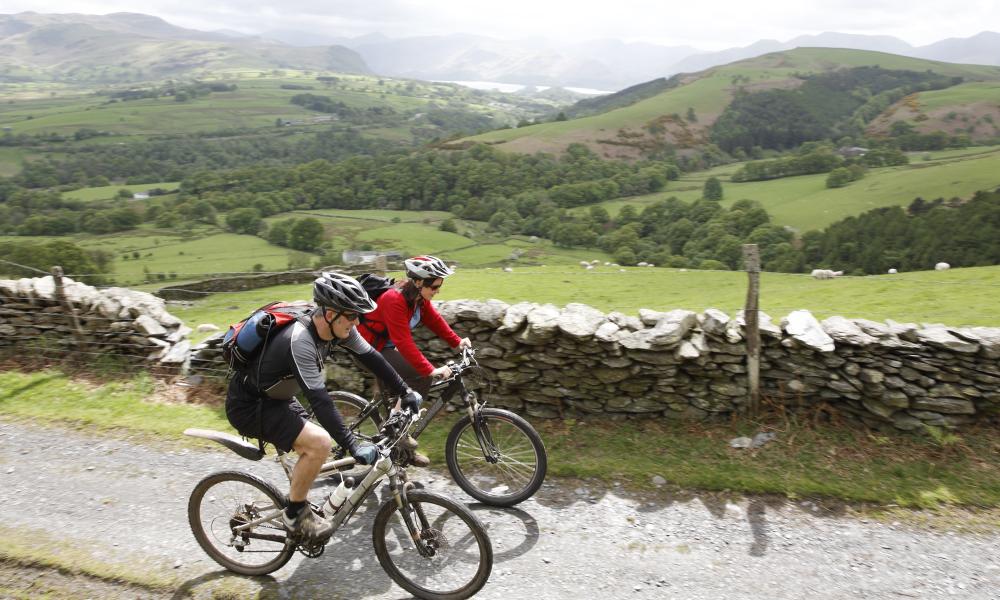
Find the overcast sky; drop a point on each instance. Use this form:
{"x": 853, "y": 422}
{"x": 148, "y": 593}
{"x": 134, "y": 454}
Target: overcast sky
{"x": 707, "y": 25}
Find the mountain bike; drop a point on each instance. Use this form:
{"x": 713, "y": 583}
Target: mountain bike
{"x": 431, "y": 545}
{"x": 494, "y": 455}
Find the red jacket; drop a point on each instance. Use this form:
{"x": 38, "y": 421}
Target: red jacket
{"x": 393, "y": 316}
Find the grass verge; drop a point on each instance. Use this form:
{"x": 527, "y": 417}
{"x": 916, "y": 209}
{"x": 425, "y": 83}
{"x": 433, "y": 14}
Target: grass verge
{"x": 35, "y": 550}
{"x": 845, "y": 462}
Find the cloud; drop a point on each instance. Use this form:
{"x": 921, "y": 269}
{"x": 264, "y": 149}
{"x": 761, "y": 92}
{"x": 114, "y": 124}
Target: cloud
{"x": 709, "y": 25}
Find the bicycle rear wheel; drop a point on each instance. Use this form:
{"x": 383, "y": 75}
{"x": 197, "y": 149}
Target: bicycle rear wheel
{"x": 454, "y": 557}
{"x": 502, "y": 463}
{"x": 228, "y": 499}
{"x": 350, "y": 407}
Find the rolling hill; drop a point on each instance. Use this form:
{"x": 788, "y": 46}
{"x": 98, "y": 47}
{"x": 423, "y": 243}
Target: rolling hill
{"x": 652, "y": 122}
{"x": 134, "y": 47}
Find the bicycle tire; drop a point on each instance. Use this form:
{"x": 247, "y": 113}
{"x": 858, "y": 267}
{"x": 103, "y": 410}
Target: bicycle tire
{"x": 515, "y": 441}
{"x": 350, "y": 406}
{"x": 241, "y": 512}
{"x": 444, "y": 521}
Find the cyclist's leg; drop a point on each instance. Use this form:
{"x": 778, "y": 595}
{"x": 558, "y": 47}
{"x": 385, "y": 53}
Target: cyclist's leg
{"x": 417, "y": 382}
{"x": 313, "y": 447}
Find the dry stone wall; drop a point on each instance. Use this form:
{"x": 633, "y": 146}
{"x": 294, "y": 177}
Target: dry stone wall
{"x": 550, "y": 362}
{"x": 112, "y": 321}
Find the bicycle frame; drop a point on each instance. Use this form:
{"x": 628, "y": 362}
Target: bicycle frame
{"x": 384, "y": 467}
{"x": 447, "y": 388}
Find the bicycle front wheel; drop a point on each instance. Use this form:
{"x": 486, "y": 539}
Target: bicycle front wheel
{"x": 434, "y": 547}
{"x": 501, "y": 463}
{"x": 225, "y": 500}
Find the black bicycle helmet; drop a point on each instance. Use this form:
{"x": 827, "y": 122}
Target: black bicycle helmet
{"x": 426, "y": 267}
{"x": 341, "y": 292}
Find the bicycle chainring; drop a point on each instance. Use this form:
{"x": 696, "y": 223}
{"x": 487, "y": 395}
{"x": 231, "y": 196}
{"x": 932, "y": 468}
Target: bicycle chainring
{"x": 312, "y": 549}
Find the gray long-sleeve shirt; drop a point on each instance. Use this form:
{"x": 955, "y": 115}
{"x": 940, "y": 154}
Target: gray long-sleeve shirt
{"x": 292, "y": 361}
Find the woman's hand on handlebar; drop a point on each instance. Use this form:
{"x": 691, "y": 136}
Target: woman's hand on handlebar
{"x": 464, "y": 343}
{"x": 442, "y": 372}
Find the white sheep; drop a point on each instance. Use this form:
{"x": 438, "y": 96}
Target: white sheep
{"x": 893, "y": 271}
{"x": 590, "y": 267}
{"x": 825, "y": 273}
{"x": 642, "y": 264}
{"x": 595, "y": 262}
{"x": 942, "y": 266}
{"x": 584, "y": 263}
{"x": 508, "y": 270}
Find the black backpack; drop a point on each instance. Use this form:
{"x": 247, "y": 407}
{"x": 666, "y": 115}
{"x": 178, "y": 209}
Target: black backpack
{"x": 375, "y": 285}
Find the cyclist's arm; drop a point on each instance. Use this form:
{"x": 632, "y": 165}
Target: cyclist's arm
{"x": 397, "y": 322}
{"x": 436, "y": 323}
{"x": 307, "y": 367}
{"x": 374, "y": 362}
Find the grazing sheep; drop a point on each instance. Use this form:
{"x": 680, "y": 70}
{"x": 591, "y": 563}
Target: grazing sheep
{"x": 942, "y": 266}
{"x": 584, "y": 263}
{"x": 508, "y": 270}
{"x": 590, "y": 267}
{"x": 642, "y": 264}
{"x": 825, "y": 273}
{"x": 595, "y": 262}
{"x": 893, "y": 271}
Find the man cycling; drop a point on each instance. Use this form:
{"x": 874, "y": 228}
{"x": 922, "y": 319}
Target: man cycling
{"x": 260, "y": 401}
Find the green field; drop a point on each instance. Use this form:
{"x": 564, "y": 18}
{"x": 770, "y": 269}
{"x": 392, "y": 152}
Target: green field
{"x": 966, "y": 93}
{"x": 170, "y": 256}
{"x": 958, "y": 297}
{"x": 108, "y": 192}
{"x": 805, "y": 202}
{"x": 10, "y": 161}
{"x": 256, "y": 104}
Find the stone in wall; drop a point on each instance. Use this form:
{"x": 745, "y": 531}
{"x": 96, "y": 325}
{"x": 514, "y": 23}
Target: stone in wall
{"x": 119, "y": 321}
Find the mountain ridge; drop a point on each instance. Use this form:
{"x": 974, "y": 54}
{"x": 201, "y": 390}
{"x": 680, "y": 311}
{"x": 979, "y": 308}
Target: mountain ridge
{"x": 124, "y": 47}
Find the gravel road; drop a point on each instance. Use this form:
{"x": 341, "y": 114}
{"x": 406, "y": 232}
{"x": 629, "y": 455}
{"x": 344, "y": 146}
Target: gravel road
{"x": 122, "y": 500}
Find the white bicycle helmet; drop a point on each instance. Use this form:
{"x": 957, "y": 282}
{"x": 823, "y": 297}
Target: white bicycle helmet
{"x": 426, "y": 267}
{"x": 341, "y": 292}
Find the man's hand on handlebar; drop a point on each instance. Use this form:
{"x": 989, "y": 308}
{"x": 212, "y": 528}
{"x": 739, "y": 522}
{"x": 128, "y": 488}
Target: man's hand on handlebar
{"x": 364, "y": 453}
{"x": 411, "y": 400}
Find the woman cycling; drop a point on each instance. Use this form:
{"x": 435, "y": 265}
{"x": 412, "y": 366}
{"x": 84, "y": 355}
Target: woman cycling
{"x": 400, "y": 310}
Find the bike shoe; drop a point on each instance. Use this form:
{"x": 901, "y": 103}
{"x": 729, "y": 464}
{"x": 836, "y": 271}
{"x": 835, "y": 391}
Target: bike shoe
{"x": 419, "y": 460}
{"x": 307, "y": 524}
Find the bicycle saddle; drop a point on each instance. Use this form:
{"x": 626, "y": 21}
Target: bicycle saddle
{"x": 234, "y": 443}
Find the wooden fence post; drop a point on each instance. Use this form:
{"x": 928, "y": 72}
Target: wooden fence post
{"x": 381, "y": 264}
{"x": 72, "y": 321}
{"x": 751, "y": 258}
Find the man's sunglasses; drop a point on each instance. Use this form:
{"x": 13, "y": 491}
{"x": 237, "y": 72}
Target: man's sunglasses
{"x": 351, "y": 316}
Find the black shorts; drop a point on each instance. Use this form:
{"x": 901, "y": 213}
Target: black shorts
{"x": 282, "y": 421}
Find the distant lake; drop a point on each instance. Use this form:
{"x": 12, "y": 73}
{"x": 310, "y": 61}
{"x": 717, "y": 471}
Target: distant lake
{"x": 510, "y": 88}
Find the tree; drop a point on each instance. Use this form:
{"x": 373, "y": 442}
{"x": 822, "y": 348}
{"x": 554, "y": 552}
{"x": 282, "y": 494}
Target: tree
{"x": 838, "y": 178}
{"x": 712, "y": 189}
{"x": 306, "y": 234}
{"x": 448, "y": 225}
{"x": 244, "y": 220}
